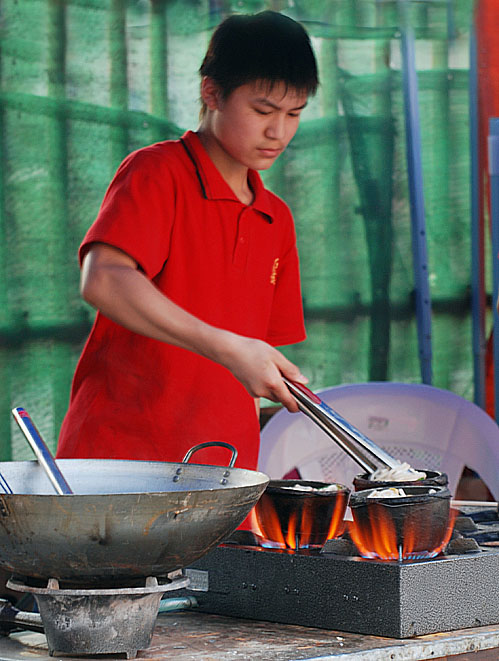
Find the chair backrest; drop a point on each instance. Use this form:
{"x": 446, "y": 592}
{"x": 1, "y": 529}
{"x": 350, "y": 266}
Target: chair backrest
{"x": 426, "y": 426}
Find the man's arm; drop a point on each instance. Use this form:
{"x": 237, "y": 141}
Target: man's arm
{"x": 112, "y": 282}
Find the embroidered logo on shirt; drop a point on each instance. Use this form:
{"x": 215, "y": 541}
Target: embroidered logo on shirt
{"x": 273, "y": 275}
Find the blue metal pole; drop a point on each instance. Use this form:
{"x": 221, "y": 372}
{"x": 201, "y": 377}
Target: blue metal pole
{"x": 416, "y": 196}
{"x": 477, "y": 253}
{"x": 494, "y": 213}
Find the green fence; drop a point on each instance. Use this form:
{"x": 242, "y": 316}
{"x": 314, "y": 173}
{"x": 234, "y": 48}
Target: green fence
{"x": 83, "y": 82}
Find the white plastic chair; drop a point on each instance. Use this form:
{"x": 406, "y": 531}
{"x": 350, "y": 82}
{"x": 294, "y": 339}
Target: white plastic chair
{"x": 426, "y": 426}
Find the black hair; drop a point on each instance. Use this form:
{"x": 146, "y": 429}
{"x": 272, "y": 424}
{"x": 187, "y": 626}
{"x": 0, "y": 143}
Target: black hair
{"x": 267, "y": 46}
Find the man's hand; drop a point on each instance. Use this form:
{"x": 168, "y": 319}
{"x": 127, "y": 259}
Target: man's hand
{"x": 260, "y": 368}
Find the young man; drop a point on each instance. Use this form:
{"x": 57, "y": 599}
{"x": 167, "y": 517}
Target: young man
{"x": 192, "y": 266}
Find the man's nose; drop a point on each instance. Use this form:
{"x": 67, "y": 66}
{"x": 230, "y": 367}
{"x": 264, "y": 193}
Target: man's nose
{"x": 276, "y": 127}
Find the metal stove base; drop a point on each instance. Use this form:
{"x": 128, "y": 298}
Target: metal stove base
{"x": 397, "y": 600}
{"x": 97, "y": 621}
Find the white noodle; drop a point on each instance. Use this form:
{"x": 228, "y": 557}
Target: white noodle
{"x": 390, "y": 492}
{"x": 402, "y": 473}
{"x": 393, "y": 492}
{"x": 303, "y": 487}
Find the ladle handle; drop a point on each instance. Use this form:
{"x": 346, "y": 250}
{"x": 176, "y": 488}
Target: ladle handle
{"x": 43, "y": 454}
{"x": 362, "y": 450}
{"x": 5, "y": 485}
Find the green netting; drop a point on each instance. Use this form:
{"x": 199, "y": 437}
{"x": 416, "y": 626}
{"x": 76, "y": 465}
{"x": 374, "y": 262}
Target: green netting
{"x": 83, "y": 82}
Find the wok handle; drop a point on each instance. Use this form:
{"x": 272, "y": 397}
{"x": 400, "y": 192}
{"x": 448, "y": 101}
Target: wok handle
{"x": 210, "y": 444}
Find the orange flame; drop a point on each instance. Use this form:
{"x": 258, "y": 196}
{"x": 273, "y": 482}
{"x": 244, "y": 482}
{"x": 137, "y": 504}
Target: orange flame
{"x": 376, "y": 536}
{"x": 274, "y": 525}
{"x": 337, "y": 525}
{"x": 300, "y": 530}
{"x": 291, "y": 541}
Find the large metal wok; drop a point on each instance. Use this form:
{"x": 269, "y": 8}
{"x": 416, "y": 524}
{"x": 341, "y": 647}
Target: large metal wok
{"x": 124, "y": 519}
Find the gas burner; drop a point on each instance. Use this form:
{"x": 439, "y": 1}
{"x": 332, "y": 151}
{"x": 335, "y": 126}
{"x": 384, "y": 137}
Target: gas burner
{"x": 105, "y": 620}
{"x": 335, "y": 588}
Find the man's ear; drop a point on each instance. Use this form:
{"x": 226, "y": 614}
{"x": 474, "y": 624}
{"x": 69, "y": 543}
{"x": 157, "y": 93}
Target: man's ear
{"x": 210, "y": 93}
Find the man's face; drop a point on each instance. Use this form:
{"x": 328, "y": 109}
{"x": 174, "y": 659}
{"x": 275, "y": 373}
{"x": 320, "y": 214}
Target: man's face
{"x": 256, "y": 123}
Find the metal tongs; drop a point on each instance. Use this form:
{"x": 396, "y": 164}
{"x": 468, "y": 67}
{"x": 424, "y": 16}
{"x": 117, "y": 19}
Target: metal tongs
{"x": 360, "y": 448}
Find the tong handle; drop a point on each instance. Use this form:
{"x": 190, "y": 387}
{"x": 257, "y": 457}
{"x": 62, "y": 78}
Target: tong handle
{"x": 362, "y": 449}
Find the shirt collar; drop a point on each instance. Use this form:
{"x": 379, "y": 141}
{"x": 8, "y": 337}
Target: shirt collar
{"x": 214, "y": 186}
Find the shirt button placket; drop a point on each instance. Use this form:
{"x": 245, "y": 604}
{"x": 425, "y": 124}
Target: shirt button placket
{"x": 242, "y": 243}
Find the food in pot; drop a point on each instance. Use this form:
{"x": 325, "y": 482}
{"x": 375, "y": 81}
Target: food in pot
{"x": 402, "y": 473}
{"x": 433, "y": 479}
{"x": 303, "y": 487}
{"x": 392, "y": 492}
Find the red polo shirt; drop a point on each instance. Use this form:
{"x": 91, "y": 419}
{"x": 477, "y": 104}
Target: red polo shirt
{"x": 229, "y": 264}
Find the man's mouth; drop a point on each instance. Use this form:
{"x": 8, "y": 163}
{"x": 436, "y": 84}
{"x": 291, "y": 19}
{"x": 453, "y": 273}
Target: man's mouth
{"x": 268, "y": 152}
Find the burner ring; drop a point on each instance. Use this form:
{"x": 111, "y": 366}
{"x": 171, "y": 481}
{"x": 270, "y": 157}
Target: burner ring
{"x": 151, "y": 585}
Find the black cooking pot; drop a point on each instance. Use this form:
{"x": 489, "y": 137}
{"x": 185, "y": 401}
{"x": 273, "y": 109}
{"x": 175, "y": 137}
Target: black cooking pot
{"x": 300, "y": 513}
{"x": 432, "y": 479}
{"x": 412, "y": 526}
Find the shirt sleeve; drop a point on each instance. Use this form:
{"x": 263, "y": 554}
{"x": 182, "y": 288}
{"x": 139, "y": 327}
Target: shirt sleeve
{"x": 137, "y": 212}
{"x": 287, "y": 324}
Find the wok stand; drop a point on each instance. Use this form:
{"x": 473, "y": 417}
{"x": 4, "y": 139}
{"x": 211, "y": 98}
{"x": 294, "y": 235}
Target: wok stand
{"x": 79, "y": 621}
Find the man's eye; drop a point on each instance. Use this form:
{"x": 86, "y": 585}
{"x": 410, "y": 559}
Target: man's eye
{"x": 262, "y": 112}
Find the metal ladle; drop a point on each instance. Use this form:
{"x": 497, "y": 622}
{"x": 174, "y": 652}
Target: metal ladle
{"x": 41, "y": 451}
{"x": 361, "y": 449}
{"x": 4, "y": 485}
